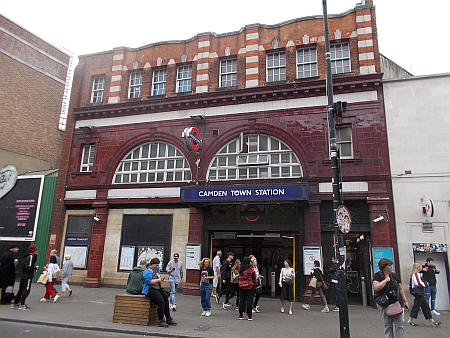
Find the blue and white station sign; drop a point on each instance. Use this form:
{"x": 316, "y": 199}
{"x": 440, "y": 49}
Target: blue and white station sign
{"x": 245, "y": 193}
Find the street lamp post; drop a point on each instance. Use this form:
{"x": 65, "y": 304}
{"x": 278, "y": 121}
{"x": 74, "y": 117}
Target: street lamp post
{"x": 340, "y": 250}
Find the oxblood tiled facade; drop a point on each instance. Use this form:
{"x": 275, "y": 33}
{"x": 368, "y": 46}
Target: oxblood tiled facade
{"x": 293, "y": 111}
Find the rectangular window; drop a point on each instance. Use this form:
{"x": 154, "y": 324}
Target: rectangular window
{"x": 87, "y": 158}
{"x": 228, "y": 73}
{"x": 98, "y": 86}
{"x": 276, "y": 67}
{"x": 344, "y": 141}
{"x": 135, "y": 86}
{"x": 184, "y": 79}
{"x": 340, "y": 58}
{"x": 77, "y": 241}
{"x": 306, "y": 63}
{"x": 159, "y": 82}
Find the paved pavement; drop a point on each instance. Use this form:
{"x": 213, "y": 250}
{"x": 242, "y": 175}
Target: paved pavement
{"x": 92, "y": 309}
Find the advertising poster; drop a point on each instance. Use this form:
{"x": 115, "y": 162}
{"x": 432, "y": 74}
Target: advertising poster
{"x": 311, "y": 254}
{"x": 78, "y": 255}
{"x": 192, "y": 256}
{"x": 379, "y": 253}
{"x": 148, "y": 252}
{"x": 127, "y": 258}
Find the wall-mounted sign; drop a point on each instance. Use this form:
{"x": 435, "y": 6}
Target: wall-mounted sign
{"x": 78, "y": 255}
{"x": 245, "y": 193}
{"x": 344, "y": 219}
{"x": 191, "y": 137}
{"x": 429, "y": 247}
{"x": 192, "y": 256}
{"x": 311, "y": 254}
{"x": 75, "y": 240}
{"x": 8, "y": 178}
{"x": 379, "y": 253}
{"x": 428, "y": 208}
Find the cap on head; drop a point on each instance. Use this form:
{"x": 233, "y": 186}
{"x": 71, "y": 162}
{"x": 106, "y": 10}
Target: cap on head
{"x": 176, "y": 255}
{"x": 32, "y": 248}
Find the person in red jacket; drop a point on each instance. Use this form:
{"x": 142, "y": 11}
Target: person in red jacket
{"x": 247, "y": 280}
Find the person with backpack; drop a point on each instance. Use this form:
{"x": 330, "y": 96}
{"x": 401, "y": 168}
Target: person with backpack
{"x": 317, "y": 282}
{"x": 135, "y": 280}
{"x": 28, "y": 267}
{"x": 247, "y": 280}
{"x": 225, "y": 272}
{"x": 52, "y": 272}
{"x": 8, "y": 262}
{"x": 417, "y": 288}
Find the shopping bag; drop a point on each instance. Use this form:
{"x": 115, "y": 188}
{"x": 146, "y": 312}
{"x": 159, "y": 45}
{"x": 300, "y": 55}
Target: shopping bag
{"x": 313, "y": 282}
{"x": 42, "y": 279}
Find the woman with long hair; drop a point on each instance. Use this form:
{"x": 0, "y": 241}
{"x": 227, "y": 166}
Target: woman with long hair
{"x": 206, "y": 285}
{"x": 247, "y": 280}
{"x": 318, "y": 275}
{"x": 235, "y": 281}
{"x": 286, "y": 283}
{"x": 417, "y": 289}
{"x": 52, "y": 270}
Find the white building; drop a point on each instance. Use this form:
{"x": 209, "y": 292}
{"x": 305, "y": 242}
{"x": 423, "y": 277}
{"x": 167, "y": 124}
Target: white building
{"x": 418, "y": 119}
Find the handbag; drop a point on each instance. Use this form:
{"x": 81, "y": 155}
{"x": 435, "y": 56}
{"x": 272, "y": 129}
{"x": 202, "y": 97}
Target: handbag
{"x": 394, "y": 309}
{"x": 287, "y": 282}
{"x": 325, "y": 285}
{"x": 165, "y": 293}
{"x": 313, "y": 282}
{"x": 43, "y": 278}
{"x": 382, "y": 300}
{"x": 8, "y": 295}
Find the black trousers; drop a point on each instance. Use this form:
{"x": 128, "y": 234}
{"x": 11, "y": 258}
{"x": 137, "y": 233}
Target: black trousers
{"x": 24, "y": 291}
{"x": 163, "y": 303}
{"x": 225, "y": 290}
{"x": 234, "y": 289}
{"x": 245, "y": 302}
{"x": 420, "y": 303}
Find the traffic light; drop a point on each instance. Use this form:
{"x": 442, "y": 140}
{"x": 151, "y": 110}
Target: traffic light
{"x": 339, "y": 107}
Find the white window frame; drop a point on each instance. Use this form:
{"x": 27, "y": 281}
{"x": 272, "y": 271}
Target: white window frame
{"x": 336, "y": 48}
{"x": 136, "y": 86}
{"x": 87, "y": 158}
{"x": 156, "y": 75}
{"x": 185, "y": 71}
{"x": 339, "y": 141}
{"x": 98, "y": 88}
{"x": 307, "y": 63}
{"x": 226, "y": 74}
{"x": 279, "y": 66}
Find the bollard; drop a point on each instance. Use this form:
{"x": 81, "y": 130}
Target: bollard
{"x": 364, "y": 291}
{"x": 272, "y": 285}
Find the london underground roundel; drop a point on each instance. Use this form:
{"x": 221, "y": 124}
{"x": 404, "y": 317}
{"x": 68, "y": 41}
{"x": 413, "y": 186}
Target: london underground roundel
{"x": 192, "y": 139}
{"x": 344, "y": 219}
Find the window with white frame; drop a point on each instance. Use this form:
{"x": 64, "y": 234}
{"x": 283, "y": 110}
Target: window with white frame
{"x": 135, "y": 86}
{"x": 98, "y": 86}
{"x": 184, "y": 78}
{"x": 344, "y": 141}
{"x": 151, "y": 163}
{"x": 228, "y": 73}
{"x": 340, "y": 58}
{"x": 87, "y": 158}
{"x": 159, "y": 81}
{"x": 254, "y": 157}
{"x": 276, "y": 66}
{"x": 306, "y": 63}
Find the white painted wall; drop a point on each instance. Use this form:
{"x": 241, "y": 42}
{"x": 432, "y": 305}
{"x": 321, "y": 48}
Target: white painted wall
{"x": 418, "y": 126}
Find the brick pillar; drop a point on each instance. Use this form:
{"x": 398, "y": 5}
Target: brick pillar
{"x": 95, "y": 260}
{"x": 366, "y": 40}
{"x": 251, "y": 57}
{"x": 192, "y": 285}
{"x": 202, "y": 78}
{"x": 115, "y": 87}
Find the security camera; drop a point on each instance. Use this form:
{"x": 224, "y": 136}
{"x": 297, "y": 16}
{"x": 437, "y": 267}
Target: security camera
{"x": 96, "y": 219}
{"x": 378, "y": 219}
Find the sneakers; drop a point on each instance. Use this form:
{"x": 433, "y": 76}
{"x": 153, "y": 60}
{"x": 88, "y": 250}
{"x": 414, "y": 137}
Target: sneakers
{"x": 237, "y": 308}
{"x": 325, "y": 309}
{"x": 217, "y": 298}
{"x": 256, "y": 309}
{"x": 435, "y": 313}
{"x": 224, "y": 306}
{"x": 435, "y": 323}
{"x": 162, "y": 323}
{"x": 55, "y": 299}
{"x": 208, "y": 313}
{"x": 171, "y": 322}
{"x": 412, "y": 323}
{"x": 250, "y": 319}
{"x": 305, "y": 306}
{"x": 70, "y": 293}
{"x": 14, "y": 306}
{"x": 290, "y": 312}
{"x": 203, "y": 313}
{"x": 336, "y": 309}
{"x": 282, "y": 309}
{"x": 43, "y": 300}
{"x": 174, "y": 308}
{"x": 26, "y": 307}
{"x": 241, "y": 318}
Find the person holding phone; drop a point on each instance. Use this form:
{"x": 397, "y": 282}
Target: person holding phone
{"x": 175, "y": 271}
{"x": 206, "y": 285}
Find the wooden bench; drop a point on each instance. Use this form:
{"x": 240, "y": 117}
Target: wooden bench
{"x": 134, "y": 309}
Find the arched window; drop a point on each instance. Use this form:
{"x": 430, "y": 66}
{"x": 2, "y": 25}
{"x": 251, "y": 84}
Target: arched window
{"x": 153, "y": 162}
{"x": 254, "y": 157}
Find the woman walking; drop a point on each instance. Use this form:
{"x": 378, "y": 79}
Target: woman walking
{"x": 66, "y": 274}
{"x": 52, "y": 271}
{"x": 247, "y": 280}
{"x": 286, "y": 283}
{"x": 235, "y": 282}
{"x": 258, "y": 285}
{"x": 388, "y": 290}
{"x": 317, "y": 279}
{"x": 206, "y": 285}
{"x": 417, "y": 289}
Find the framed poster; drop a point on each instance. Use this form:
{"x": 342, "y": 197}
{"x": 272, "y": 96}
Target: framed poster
{"x": 127, "y": 254}
{"x": 311, "y": 254}
{"x": 78, "y": 255}
{"x": 148, "y": 252}
{"x": 192, "y": 256}
{"x": 379, "y": 253}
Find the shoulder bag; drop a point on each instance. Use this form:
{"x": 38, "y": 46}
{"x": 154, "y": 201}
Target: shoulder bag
{"x": 394, "y": 309}
{"x": 325, "y": 284}
{"x": 313, "y": 282}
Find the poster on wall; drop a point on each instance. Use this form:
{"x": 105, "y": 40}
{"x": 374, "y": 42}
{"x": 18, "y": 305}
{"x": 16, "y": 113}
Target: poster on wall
{"x": 311, "y": 254}
{"x": 379, "y": 253}
{"x": 127, "y": 257}
{"x": 192, "y": 256}
{"x": 429, "y": 247}
{"x": 148, "y": 252}
{"x": 78, "y": 255}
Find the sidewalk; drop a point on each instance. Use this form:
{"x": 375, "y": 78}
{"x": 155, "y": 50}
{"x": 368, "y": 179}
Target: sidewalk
{"x": 93, "y": 308}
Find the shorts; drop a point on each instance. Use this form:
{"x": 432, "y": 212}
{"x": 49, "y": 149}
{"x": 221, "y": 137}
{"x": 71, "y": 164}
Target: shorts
{"x": 215, "y": 281}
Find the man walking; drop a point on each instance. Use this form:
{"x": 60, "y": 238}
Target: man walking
{"x": 334, "y": 266}
{"x": 216, "y": 267}
{"x": 8, "y": 262}
{"x": 175, "y": 270}
{"x": 28, "y": 269}
{"x": 226, "y": 279}
{"x": 429, "y": 275}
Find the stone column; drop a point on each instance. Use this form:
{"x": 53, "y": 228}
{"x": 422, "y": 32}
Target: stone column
{"x": 192, "y": 285}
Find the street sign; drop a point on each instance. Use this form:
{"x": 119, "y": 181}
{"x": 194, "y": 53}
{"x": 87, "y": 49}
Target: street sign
{"x": 192, "y": 139}
{"x": 344, "y": 219}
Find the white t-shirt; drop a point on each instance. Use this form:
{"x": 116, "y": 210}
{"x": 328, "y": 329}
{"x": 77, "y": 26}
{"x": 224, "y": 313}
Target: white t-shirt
{"x": 216, "y": 264}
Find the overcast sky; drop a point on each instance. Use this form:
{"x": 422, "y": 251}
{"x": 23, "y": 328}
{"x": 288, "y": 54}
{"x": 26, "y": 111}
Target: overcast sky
{"x": 413, "y": 33}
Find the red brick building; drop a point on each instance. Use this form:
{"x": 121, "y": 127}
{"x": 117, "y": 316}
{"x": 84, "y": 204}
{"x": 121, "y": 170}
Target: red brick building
{"x": 129, "y": 188}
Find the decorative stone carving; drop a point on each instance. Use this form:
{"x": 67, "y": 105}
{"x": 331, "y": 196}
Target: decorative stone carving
{"x": 305, "y": 39}
{"x": 227, "y": 51}
{"x": 275, "y": 43}
{"x": 183, "y": 58}
{"x": 135, "y": 64}
{"x": 338, "y": 34}
{"x": 159, "y": 62}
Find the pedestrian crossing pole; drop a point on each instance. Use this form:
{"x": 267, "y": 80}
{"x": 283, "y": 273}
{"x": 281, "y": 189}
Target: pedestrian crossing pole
{"x": 335, "y": 181}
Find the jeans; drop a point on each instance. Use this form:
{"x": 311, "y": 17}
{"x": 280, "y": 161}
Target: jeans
{"x": 335, "y": 287}
{"x": 173, "y": 292}
{"x": 205, "y": 296}
{"x": 320, "y": 291}
{"x": 430, "y": 292}
{"x": 389, "y": 322}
